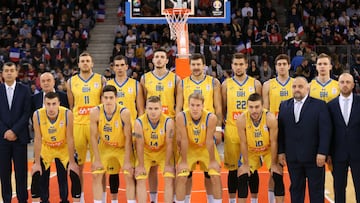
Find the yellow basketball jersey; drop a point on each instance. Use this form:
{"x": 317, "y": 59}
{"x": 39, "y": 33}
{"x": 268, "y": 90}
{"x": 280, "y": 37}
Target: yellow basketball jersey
{"x": 326, "y": 92}
{"x": 86, "y": 94}
{"x": 205, "y": 87}
{"x": 111, "y": 129}
{"x": 196, "y": 130}
{"x": 53, "y": 132}
{"x": 154, "y": 135}
{"x": 163, "y": 87}
{"x": 237, "y": 94}
{"x": 126, "y": 94}
{"x": 279, "y": 92}
{"x": 258, "y": 137}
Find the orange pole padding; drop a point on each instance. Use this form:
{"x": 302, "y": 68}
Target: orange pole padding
{"x": 182, "y": 67}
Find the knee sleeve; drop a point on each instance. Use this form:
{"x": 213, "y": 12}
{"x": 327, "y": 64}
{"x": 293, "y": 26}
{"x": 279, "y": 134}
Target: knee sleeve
{"x": 114, "y": 183}
{"x": 243, "y": 186}
{"x": 75, "y": 185}
{"x": 232, "y": 181}
{"x": 35, "y": 185}
{"x": 190, "y": 175}
{"x": 279, "y": 189}
{"x": 254, "y": 182}
{"x": 206, "y": 175}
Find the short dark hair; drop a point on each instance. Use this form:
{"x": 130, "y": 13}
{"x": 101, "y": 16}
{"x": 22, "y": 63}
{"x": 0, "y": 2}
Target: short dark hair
{"x": 239, "y": 56}
{"x": 120, "y": 57}
{"x": 282, "y": 56}
{"x": 109, "y": 88}
{"x": 196, "y": 56}
{"x": 161, "y": 50}
{"x": 256, "y": 97}
{"x": 52, "y": 95}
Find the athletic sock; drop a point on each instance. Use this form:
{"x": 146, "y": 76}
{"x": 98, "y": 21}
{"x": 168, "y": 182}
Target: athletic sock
{"x": 254, "y": 200}
{"x": 232, "y": 200}
{"x": 97, "y": 201}
{"x": 187, "y": 198}
{"x": 131, "y": 201}
{"x": 104, "y": 197}
{"x": 271, "y": 196}
{"x": 210, "y": 198}
{"x": 217, "y": 201}
{"x": 114, "y": 201}
{"x": 154, "y": 197}
{"x": 82, "y": 198}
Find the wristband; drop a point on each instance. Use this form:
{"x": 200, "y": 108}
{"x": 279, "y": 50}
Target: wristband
{"x": 218, "y": 129}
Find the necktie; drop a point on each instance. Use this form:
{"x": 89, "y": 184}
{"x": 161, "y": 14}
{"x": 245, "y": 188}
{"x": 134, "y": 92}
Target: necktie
{"x": 10, "y": 93}
{"x": 297, "y": 111}
{"x": 345, "y": 111}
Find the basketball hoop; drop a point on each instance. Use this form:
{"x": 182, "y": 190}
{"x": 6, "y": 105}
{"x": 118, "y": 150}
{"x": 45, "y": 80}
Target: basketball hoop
{"x": 177, "y": 18}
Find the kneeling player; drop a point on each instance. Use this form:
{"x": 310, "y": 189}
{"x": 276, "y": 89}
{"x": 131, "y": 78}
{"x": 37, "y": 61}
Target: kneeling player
{"x": 258, "y": 130}
{"x": 110, "y": 129}
{"x": 154, "y": 132}
{"x": 53, "y": 127}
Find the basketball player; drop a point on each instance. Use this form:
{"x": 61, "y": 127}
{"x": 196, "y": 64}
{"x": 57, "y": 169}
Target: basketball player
{"x": 274, "y": 92}
{"x": 154, "y": 132}
{"x": 84, "y": 91}
{"x": 53, "y": 128}
{"x": 278, "y": 89}
{"x": 110, "y": 127}
{"x": 209, "y": 87}
{"x": 323, "y": 87}
{"x": 196, "y": 126}
{"x": 129, "y": 91}
{"x": 257, "y": 129}
{"x": 160, "y": 82}
{"x": 235, "y": 92}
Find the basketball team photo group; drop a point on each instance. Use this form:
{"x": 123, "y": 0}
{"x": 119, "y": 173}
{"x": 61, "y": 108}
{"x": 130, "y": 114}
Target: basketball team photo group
{"x": 185, "y": 101}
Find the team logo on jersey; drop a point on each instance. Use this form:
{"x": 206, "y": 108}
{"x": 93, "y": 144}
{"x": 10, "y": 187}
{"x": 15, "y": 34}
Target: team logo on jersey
{"x": 236, "y": 115}
{"x": 130, "y": 90}
{"x": 251, "y": 89}
{"x": 116, "y": 124}
{"x": 161, "y": 132}
{"x": 334, "y": 90}
{"x": 266, "y": 128}
{"x": 61, "y": 124}
{"x": 170, "y": 84}
{"x": 207, "y": 87}
{"x": 96, "y": 85}
{"x": 202, "y": 126}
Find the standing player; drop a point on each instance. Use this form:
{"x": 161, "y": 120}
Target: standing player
{"x": 235, "y": 92}
{"x": 323, "y": 87}
{"x": 129, "y": 91}
{"x": 160, "y": 82}
{"x": 196, "y": 126}
{"x": 278, "y": 89}
{"x": 112, "y": 146}
{"x": 257, "y": 129}
{"x": 274, "y": 92}
{"x": 53, "y": 128}
{"x": 209, "y": 87}
{"x": 154, "y": 132}
{"x": 84, "y": 91}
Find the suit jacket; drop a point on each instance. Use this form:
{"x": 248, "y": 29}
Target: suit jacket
{"x": 37, "y": 100}
{"x": 345, "y": 140}
{"x": 311, "y": 135}
{"x": 16, "y": 119}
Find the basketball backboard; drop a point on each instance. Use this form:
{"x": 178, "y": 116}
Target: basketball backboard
{"x": 202, "y": 12}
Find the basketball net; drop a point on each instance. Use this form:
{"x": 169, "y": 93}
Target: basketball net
{"x": 177, "y": 20}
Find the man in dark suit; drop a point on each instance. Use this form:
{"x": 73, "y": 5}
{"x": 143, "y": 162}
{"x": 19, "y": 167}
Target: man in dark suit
{"x": 15, "y": 111}
{"x": 304, "y": 141}
{"x": 47, "y": 83}
{"x": 345, "y": 143}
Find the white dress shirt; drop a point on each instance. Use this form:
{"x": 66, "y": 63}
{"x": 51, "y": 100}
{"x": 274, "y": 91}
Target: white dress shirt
{"x": 348, "y": 110}
{"x": 297, "y": 110}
